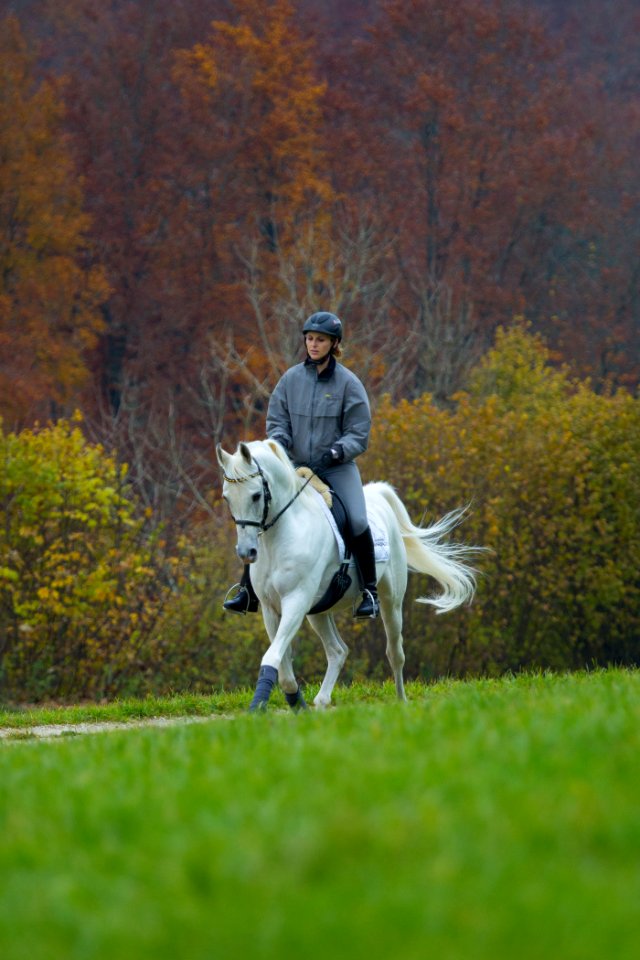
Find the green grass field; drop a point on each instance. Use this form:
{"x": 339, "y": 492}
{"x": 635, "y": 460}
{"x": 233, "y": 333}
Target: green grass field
{"x": 489, "y": 819}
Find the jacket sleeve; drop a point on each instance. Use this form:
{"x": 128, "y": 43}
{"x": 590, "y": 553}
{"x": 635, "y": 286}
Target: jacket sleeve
{"x": 356, "y": 420}
{"x": 278, "y": 418}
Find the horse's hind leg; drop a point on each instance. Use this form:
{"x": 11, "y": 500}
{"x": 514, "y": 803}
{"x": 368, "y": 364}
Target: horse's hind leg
{"x": 392, "y": 619}
{"x": 336, "y": 651}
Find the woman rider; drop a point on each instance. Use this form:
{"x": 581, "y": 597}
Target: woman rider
{"x": 319, "y": 412}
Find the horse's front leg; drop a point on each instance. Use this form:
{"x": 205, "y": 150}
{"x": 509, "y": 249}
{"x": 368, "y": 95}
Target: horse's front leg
{"x": 276, "y": 662}
{"x": 286, "y": 677}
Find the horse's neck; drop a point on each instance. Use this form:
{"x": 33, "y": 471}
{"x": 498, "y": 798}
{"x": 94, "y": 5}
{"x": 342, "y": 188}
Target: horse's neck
{"x": 299, "y": 528}
{"x": 281, "y": 495}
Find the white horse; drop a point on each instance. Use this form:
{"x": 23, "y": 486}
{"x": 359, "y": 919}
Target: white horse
{"x": 283, "y": 531}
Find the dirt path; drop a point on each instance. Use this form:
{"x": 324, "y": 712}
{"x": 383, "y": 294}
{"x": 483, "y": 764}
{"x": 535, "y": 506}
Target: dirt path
{"x": 50, "y": 731}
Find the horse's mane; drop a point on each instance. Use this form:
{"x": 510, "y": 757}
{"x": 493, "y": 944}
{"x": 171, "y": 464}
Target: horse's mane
{"x": 275, "y": 463}
{"x": 271, "y": 456}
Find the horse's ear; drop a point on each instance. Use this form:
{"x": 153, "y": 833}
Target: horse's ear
{"x": 244, "y": 450}
{"x": 277, "y": 449}
{"x": 222, "y": 455}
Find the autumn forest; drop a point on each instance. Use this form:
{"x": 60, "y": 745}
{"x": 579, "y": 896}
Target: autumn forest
{"x": 182, "y": 183}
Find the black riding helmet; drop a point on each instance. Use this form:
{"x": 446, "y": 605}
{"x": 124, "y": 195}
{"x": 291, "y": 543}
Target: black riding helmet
{"x": 324, "y": 322}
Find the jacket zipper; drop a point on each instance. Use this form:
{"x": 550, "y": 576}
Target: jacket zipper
{"x": 313, "y": 419}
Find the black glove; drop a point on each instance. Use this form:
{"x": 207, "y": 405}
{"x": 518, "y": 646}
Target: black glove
{"x": 328, "y": 459}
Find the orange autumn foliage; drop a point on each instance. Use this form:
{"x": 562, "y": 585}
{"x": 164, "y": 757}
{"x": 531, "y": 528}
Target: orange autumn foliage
{"x": 49, "y": 291}
{"x": 253, "y": 108}
{"x": 252, "y": 89}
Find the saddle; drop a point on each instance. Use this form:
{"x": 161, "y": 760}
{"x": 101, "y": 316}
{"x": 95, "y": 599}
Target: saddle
{"x": 332, "y": 500}
{"x": 341, "y": 581}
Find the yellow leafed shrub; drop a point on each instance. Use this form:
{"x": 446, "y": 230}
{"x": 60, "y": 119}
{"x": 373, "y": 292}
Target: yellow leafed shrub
{"x": 82, "y": 579}
{"x": 94, "y": 604}
{"x": 552, "y": 473}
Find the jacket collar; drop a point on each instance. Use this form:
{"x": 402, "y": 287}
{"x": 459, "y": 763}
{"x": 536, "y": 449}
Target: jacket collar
{"x": 328, "y": 370}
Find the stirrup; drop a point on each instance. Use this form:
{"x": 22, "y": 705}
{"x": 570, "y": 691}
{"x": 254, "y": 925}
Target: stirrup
{"x": 242, "y": 602}
{"x": 369, "y": 607}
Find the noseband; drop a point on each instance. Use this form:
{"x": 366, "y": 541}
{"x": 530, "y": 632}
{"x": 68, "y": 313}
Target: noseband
{"x": 266, "y": 498}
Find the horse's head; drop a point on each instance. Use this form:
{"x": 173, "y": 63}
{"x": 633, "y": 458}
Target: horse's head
{"x": 250, "y": 475}
{"x": 247, "y": 494}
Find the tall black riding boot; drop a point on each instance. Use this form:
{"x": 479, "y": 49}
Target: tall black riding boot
{"x": 244, "y": 600}
{"x": 363, "y": 551}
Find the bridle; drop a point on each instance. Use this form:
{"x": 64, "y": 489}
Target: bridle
{"x": 266, "y": 500}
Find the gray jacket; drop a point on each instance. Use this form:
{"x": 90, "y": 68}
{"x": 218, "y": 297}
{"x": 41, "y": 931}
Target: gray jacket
{"x": 308, "y": 414}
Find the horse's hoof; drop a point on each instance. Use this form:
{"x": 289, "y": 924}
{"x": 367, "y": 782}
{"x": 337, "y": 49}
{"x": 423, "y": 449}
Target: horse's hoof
{"x": 258, "y": 707}
{"x": 296, "y": 701}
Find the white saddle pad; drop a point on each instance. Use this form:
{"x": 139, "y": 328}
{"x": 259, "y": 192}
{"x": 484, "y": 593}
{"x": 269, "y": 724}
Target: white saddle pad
{"x": 380, "y": 541}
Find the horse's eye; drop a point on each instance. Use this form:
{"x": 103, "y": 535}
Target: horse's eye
{"x": 255, "y": 497}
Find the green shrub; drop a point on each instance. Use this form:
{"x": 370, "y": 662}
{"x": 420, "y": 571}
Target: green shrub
{"x": 94, "y": 604}
{"x": 83, "y": 580}
{"x": 552, "y": 473}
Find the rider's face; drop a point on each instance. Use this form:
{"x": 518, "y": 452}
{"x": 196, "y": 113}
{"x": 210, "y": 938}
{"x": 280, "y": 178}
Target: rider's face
{"x": 318, "y": 345}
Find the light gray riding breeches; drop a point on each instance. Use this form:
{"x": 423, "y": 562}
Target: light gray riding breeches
{"x": 345, "y": 479}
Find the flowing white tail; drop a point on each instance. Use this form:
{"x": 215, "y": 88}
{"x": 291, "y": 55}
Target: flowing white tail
{"x": 427, "y": 553}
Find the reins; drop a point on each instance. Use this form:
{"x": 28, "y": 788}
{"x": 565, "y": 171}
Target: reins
{"x": 267, "y": 498}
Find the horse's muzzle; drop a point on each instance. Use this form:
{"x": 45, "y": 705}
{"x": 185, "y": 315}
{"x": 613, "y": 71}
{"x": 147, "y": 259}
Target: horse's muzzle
{"x": 249, "y": 555}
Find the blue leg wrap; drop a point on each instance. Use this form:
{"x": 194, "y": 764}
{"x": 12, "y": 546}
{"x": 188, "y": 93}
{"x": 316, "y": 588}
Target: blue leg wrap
{"x": 296, "y": 701}
{"x": 267, "y": 679}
